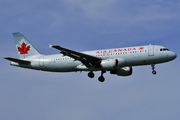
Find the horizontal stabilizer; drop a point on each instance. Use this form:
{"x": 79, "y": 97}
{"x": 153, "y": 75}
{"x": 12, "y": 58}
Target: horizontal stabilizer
{"x": 18, "y": 60}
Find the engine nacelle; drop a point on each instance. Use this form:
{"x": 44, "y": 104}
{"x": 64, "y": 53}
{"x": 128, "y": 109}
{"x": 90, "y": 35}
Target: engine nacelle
{"x": 109, "y": 64}
{"x": 125, "y": 71}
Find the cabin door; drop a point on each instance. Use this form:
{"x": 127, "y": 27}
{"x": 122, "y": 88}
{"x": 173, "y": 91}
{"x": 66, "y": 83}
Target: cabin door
{"x": 151, "y": 50}
{"x": 41, "y": 62}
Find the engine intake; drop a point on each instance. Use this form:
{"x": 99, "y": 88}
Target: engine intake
{"x": 109, "y": 64}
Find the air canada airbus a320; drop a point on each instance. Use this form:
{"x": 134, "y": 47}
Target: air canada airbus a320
{"x": 118, "y": 61}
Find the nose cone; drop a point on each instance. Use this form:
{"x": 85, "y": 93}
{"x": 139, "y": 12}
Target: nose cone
{"x": 173, "y": 55}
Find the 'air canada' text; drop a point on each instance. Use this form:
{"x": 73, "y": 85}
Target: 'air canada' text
{"x": 119, "y": 50}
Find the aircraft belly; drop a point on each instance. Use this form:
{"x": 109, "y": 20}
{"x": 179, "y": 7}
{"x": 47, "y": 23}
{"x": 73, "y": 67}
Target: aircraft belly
{"x": 140, "y": 59}
{"x": 144, "y": 60}
{"x": 61, "y": 66}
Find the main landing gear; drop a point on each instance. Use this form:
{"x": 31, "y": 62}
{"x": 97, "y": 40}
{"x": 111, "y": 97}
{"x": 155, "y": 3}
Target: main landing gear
{"x": 153, "y": 68}
{"x": 101, "y": 78}
{"x": 91, "y": 74}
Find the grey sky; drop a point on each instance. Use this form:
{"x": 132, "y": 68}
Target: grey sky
{"x": 87, "y": 25}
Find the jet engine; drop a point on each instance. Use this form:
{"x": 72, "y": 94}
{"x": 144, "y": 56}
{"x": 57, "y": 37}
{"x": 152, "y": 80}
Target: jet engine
{"x": 125, "y": 71}
{"x": 109, "y": 64}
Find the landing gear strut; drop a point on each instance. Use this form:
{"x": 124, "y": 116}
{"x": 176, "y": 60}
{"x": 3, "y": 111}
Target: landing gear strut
{"x": 101, "y": 78}
{"x": 153, "y": 68}
{"x": 91, "y": 74}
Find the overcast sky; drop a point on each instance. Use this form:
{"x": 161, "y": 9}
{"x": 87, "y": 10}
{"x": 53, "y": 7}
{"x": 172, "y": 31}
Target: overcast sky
{"x": 89, "y": 25}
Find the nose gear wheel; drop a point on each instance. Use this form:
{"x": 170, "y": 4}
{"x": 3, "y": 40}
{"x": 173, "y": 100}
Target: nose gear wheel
{"x": 153, "y": 68}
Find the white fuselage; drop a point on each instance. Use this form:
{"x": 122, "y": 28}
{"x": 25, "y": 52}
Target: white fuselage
{"x": 130, "y": 56}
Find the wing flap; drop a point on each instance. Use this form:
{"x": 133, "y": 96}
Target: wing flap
{"x": 18, "y": 60}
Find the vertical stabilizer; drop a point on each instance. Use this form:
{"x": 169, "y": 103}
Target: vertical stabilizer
{"x": 23, "y": 46}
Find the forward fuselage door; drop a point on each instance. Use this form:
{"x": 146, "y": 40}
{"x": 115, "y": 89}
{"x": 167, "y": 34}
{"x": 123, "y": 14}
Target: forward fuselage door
{"x": 151, "y": 50}
{"x": 41, "y": 61}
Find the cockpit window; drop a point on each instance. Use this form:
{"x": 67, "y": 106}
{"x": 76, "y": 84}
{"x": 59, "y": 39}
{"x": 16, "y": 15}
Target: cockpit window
{"x": 164, "y": 49}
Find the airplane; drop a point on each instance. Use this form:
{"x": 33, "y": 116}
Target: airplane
{"x": 117, "y": 61}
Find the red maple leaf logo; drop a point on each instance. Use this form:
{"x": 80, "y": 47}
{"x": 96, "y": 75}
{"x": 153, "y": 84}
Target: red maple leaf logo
{"x": 141, "y": 48}
{"x": 24, "y": 49}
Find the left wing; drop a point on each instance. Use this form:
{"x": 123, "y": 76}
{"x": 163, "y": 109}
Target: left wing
{"x": 18, "y": 60}
{"x": 87, "y": 60}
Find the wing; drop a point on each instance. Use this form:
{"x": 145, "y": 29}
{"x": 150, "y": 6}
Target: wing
{"x": 87, "y": 60}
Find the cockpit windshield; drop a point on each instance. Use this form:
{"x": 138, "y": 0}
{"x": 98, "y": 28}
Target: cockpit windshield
{"x": 164, "y": 49}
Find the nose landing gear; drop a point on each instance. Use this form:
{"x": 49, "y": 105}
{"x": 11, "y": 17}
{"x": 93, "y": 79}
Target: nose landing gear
{"x": 153, "y": 68}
